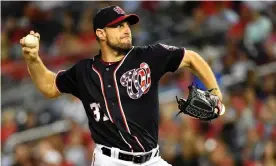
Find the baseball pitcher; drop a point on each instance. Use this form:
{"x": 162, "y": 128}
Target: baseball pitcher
{"x": 119, "y": 89}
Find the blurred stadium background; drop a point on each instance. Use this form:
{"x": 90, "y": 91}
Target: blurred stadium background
{"x": 238, "y": 39}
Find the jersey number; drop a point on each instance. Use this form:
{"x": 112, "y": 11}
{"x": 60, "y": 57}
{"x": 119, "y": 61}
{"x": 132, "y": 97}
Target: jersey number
{"x": 96, "y": 110}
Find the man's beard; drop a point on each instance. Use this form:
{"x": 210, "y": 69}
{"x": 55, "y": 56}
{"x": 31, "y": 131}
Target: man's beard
{"x": 120, "y": 47}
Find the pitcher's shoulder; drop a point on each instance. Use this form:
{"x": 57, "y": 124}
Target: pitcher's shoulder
{"x": 143, "y": 48}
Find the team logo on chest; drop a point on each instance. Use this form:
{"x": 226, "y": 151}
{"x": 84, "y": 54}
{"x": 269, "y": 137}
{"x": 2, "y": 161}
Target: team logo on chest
{"x": 137, "y": 81}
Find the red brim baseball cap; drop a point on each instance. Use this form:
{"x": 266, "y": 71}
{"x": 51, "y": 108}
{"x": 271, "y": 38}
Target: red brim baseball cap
{"x": 112, "y": 15}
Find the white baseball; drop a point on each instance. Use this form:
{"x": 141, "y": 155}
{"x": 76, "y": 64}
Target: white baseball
{"x": 31, "y": 41}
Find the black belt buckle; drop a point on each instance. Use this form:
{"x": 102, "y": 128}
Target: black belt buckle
{"x": 138, "y": 159}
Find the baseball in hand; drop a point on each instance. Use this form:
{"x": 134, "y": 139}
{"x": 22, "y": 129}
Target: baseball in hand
{"x": 31, "y": 41}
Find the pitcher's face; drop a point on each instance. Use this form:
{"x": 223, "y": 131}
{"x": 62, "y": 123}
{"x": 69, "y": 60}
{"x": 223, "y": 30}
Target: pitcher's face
{"x": 118, "y": 36}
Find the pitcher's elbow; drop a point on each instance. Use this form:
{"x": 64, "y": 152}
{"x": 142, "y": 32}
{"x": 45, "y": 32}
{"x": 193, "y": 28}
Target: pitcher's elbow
{"x": 49, "y": 94}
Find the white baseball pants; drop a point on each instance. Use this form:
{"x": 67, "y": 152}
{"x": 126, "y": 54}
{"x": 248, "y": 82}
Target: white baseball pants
{"x": 99, "y": 159}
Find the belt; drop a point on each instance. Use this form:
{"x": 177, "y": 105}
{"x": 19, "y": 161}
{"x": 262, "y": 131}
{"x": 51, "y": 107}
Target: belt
{"x": 138, "y": 159}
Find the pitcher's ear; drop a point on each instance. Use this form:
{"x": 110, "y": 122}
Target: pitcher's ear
{"x": 100, "y": 33}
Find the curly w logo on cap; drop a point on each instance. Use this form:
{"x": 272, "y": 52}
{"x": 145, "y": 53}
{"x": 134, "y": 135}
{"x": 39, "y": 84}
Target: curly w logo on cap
{"x": 119, "y": 10}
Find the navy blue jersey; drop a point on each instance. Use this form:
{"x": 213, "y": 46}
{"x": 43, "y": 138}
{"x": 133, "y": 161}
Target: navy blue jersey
{"x": 121, "y": 99}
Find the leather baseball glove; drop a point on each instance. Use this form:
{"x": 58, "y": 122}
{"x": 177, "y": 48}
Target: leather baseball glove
{"x": 201, "y": 104}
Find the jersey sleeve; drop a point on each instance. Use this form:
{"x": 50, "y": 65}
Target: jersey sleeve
{"x": 66, "y": 81}
{"x": 168, "y": 57}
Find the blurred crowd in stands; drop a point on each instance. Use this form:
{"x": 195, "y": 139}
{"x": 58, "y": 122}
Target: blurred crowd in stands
{"x": 236, "y": 38}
